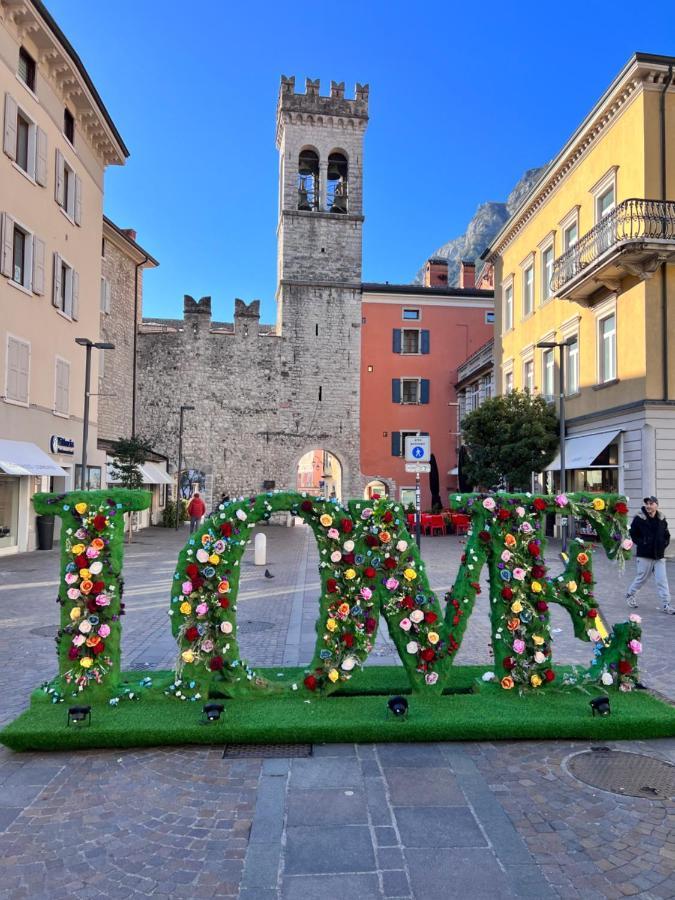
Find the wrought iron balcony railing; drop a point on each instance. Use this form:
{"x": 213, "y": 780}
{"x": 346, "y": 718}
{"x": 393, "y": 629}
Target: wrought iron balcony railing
{"x": 631, "y": 221}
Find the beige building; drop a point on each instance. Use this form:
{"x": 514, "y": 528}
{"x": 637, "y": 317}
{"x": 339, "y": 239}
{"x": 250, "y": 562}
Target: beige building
{"x": 57, "y": 139}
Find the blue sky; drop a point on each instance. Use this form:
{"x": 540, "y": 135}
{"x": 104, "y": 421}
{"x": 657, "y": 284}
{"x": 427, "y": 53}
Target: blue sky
{"x": 462, "y": 101}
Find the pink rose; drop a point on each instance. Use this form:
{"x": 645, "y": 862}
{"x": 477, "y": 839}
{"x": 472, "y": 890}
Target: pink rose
{"x": 405, "y": 624}
{"x": 366, "y": 593}
{"x": 73, "y": 593}
{"x": 526, "y": 528}
{"x": 78, "y": 640}
{"x": 518, "y": 645}
{"x": 71, "y": 578}
{"x": 519, "y": 574}
{"x": 520, "y": 510}
{"x": 634, "y": 617}
{"x": 102, "y": 600}
{"x": 186, "y": 587}
{"x": 333, "y": 534}
{"x": 627, "y": 544}
{"x": 207, "y": 646}
{"x": 91, "y": 552}
{"x": 391, "y": 584}
{"x": 635, "y": 646}
{"x": 506, "y": 556}
{"x": 202, "y": 609}
{"x": 562, "y": 500}
{"x": 489, "y": 503}
{"x": 104, "y": 630}
{"x": 431, "y": 677}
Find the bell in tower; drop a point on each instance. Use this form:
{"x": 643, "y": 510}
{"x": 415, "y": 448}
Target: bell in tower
{"x": 308, "y": 180}
{"x": 336, "y": 187}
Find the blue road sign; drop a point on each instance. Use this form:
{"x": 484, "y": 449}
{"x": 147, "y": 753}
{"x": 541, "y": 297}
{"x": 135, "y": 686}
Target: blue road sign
{"x": 418, "y": 452}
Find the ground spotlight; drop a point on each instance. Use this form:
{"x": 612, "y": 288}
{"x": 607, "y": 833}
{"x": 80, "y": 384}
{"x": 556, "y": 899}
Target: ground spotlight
{"x": 211, "y": 712}
{"x": 78, "y": 714}
{"x": 600, "y": 705}
{"x": 398, "y": 706}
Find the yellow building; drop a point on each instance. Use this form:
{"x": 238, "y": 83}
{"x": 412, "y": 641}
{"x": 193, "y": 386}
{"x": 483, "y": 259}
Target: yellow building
{"x": 585, "y": 261}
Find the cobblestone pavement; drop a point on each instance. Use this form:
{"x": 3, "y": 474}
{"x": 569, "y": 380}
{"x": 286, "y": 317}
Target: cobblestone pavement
{"x": 481, "y": 821}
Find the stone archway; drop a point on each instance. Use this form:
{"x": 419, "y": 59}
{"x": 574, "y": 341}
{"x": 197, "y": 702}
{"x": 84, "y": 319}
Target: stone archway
{"x": 377, "y": 487}
{"x": 319, "y": 473}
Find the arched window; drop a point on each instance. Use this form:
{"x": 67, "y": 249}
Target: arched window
{"x": 308, "y": 180}
{"x": 336, "y": 187}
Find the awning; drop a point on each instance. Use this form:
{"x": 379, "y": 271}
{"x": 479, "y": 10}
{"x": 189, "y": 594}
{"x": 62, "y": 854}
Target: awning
{"x": 454, "y": 471}
{"x": 581, "y": 451}
{"x": 24, "y": 458}
{"x": 150, "y": 473}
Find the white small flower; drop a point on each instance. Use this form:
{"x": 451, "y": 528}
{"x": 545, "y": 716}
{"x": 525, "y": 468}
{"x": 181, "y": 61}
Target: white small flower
{"x": 241, "y": 515}
{"x": 607, "y": 679}
{"x": 488, "y": 676}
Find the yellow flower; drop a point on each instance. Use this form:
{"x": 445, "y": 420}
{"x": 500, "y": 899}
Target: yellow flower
{"x": 75, "y": 613}
{"x": 537, "y": 639}
{"x": 410, "y": 574}
{"x": 507, "y": 682}
{"x": 333, "y": 675}
{"x": 76, "y": 549}
{"x": 331, "y": 625}
{"x": 185, "y": 608}
{"x": 81, "y": 508}
{"x": 536, "y": 587}
{"x": 214, "y": 559}
{"x": 598, "y": 504}
{"x": 326, "y": 520}
{"x": 343, "y": 609}
{"x": 517, "y": 606}
{"x": 349, "y": 574}
{"x": 187, "y": 656}
{"x": 571, "y": 586}
{"x": 85, "y": 573}
{"x": 535, "y": 680}
{"x": 432, "y": 637}
{"x": 86, "y": 661}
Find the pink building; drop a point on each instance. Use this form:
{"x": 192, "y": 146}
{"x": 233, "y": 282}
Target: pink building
{"x": 413, "y": 340}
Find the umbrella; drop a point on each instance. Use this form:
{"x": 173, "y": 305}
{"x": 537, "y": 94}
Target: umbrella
{"x": 462, "y": 459}
{"x": 434, "y": 485}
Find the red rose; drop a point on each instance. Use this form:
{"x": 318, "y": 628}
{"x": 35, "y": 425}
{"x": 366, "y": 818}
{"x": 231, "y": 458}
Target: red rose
{"x": 484, "y": 535}
{"x": 348, "y": 640}
{"x": 625, "y": 667}
{"x": 430, "y": 617}
{"x": 224, "y": 602}
{"x": 455, "y": 620}
{"x": 408, "y": 602}
{"x": 73, "y": 653}
{"x": 81, "y": 561}
{"x": 371, "y": 625}
{"x": 348, "y": 558}
{"x": 541, "y": 605}
{"x": 310, "y": 683}
{"x": 99, "y": 522}
{"x": 97, "y": 587}
{"x": 191, "y": 633}
{"x": 226, "y": 529}
{"x": 192, "y": 570}
{"x": 390, "y": 563}
{"x": 306, "y": 506}
{"x": 388, "y": 516}
{"x": 371, "y": 540}
{"x": 92, "y": 606}
{"x": 549, "y": 674}
{"x": 475, "y": 586}
{"x": 504, "y": 514}
{"x": 621, "y": 508}
{"x": 216, "y": 663}
{"x": 539, "y": 504}
{"x": 428, "y": 654}
{"x": 534, "y": 549}
{"x": 538, "y": 571}
{"x": 197, "y": 582}
{"x": 592, "y": 613}
{"x": 507, "y": 593}
{"x": 331, "y": 585}
{"x": 374, "y": 496}
{"x": 586, "y": 576}
{"x": 347, "y": 526}
{"x": 369, "y": 572}
{"x": 98, "y": 648}
{"x": 509, "y": 663}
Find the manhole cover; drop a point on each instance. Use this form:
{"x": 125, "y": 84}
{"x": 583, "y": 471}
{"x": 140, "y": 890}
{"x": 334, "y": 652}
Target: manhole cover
{"x": 253, "y": 626}
{"x": 630, "y": 774}
{"x": 266, "y": 751}
{"x": 48, "y": 631}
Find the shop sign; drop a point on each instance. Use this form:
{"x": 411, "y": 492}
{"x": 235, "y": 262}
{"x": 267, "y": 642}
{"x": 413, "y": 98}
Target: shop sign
{"x": 63, "y": 445}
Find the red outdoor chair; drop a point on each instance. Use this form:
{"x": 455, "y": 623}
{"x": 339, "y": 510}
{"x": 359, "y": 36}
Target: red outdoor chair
{"x": 460, "y": 523}
{"x": 436, "y": 524}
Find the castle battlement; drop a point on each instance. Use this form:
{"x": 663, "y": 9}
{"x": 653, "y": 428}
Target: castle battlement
{"x": 315, "y": 107}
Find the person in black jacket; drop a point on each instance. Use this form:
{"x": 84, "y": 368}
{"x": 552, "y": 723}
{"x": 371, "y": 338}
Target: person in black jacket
{"x": 649, "y": 531}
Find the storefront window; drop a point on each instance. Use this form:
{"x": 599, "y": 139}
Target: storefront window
{"x": 93, "y": 478}
{"x": 9, "y": 511}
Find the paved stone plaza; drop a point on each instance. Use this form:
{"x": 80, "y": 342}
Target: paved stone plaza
{"x": 491, "y": 820}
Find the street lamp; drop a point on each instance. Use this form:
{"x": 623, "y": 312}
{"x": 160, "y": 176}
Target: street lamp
{"x": 99, "y": 345}
{"x": 180, "y": 458}
{"x": 562, "y": 346}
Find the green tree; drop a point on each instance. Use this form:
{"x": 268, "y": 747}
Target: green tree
{"x": 129, "y": 454}
{"x": 509, "y": 437}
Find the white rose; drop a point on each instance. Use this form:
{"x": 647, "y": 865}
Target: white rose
{"x": 412, "y": 647}
{"x": 202, "y": 555}
{"x": 241, "y": 515}
{"x": 416, "y": 616}
{"x": 335, "y": 556}
{"x": 607, "y": 679}
{"x": 401, "y": 546}
{"x": 539, "y": 657}
{"x": 85, "y": 627}
{"x": 96, "y": 567}
{"x": 348, "y": 546}
{"x": 348, "y": 663}
{"x": 226, "y": 627}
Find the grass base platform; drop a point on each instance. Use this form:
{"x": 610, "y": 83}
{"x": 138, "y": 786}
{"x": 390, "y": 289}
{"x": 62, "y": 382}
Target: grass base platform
{"x": 468, "y": 710}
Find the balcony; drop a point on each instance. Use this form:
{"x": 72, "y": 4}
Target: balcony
{"x": 634, "y": 239}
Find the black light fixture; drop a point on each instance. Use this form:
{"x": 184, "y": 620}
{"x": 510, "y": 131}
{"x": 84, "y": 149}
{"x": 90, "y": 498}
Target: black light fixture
{"x": 211, "y": 712}
{"x": 79, "y": 714}
{"x": 600, "y": 705}
{"x": 398, "y": 707}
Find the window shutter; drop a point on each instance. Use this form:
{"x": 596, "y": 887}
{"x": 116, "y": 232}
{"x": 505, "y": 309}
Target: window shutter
{"x": 424, "y": 390}
{"x": 56, "y": 292}
{"x": 7, "y": 251}
{"x": 12, "y": 386}
{"x": 59, "y": 182}
{"x": 425, "y": 340}
{"x": 11, "y": 111}
{"x": 396, "y": 443}
{"x": 75, "y": 305}
{"x": 395, "y": 390}
{"x": 23, "y": 373}
{"x": 41, "y": 157}
{"x": 107, "y": 295}
{"x": 78, "y": 200}
{"x": 397, "y": 340}
{"x": 38, "y": 266}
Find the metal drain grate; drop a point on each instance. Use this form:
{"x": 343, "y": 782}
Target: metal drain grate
{"x": 267, "y": 751}
{"x": 629, "y": 774}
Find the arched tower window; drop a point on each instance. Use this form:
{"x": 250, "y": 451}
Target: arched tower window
{"x": 337, "y": 183}
{"x": 308, "y": 180}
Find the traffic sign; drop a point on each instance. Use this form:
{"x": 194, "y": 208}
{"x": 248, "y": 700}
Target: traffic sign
{"x": 418, "y": 448}
{"x": 418, "y": 467}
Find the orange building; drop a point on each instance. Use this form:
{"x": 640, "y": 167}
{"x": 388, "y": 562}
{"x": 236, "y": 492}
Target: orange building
{"x": 413, "y": 339}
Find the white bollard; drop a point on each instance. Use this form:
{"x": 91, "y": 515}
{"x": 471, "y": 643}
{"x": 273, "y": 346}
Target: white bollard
{"x": 260, "y": 549}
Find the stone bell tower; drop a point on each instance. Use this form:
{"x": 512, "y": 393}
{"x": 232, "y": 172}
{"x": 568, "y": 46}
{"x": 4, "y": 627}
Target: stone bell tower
{"x": 320, "y": 142}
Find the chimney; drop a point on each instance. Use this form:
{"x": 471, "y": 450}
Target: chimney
{"x": 467, "y": 274}
{"x": 130, "y": 233}
{"x": 436, "y": 272}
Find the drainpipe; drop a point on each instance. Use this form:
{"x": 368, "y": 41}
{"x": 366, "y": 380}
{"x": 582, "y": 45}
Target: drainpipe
{"x": 135, "y": 362}
{"x": 664, "y": 266}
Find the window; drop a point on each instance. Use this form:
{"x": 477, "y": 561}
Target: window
{"x": 528, "y": 375}
{"x": 69, "y": 125}
{"x": 103, "y": 248}
{"x": 528, "y": 290}
{"x": 570, "y": 235}
{"x": 62, "y": 387}
{"x": 605, "y": 203}
{"x": 66, "y": 288}
{"x": 411, "y": 340}
{"x": 407, "y": 497}
{"x": 18, "y": 370}
{"x": 548, "y": 374}
{"x": 26, "y": 70}
{"x": 508, "y": 307}
{"x": 607, "y": 349}
{"x": 68, "y": 189}
{"x": 22, "y": 256}
{"x": 486, "y": 387}
{"x": 490, "y": 317}
{"x": 410, "y": 390}
{"x": 105, "y": 295}
{"x": 546, "y": 272}
{"x": 572, "y": 366}
{"x": 398, "y": 441}
{"x": 411, "y": 314}
{"x": 24, "y": 142}
{"x": 508, "y": 382}
{"x": 93, "y": 482}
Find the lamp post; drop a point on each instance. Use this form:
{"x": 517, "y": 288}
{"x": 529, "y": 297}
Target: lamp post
{"x": 562, "y": 346}
{"x": 180, "y": 458}
{"x": 98, "y": 345}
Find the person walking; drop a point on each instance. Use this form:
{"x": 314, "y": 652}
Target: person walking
{"x": 196, "y": 509}
{"x": 649, "y": 531}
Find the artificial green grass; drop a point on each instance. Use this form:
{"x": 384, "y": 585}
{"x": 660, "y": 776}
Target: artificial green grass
{"x": 359, "y": 713}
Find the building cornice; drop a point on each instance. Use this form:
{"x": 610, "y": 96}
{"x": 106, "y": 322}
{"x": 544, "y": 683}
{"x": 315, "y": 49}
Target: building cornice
{"x": 127, "y": 244}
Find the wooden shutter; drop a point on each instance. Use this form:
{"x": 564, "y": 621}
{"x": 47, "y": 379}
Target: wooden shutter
{"x": 78, "y": 200}
{"x": 11, "y": 112}
{"x": 397, "y": 340}
{"x": 75, "y": 302}
{"x": 41, "y": 157}
{"x": 62, "y": 398}
{"x": 7, "y": 249}
{"x": 424, "y": 334}
{"x": 107, "y": 295}
{"x": 424, "y": 390}
{"x": 395, "y": 390}
{"x": 396, "y": 443}
{"x": 38, "y": 266}
{"x": 22, "y": 357}
{"x": 56, "y": 291}
{"x": 12, "y": 379}
{"x": 59, "y": 182}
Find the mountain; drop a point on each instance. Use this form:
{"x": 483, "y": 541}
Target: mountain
{"x": 485, "y": 224}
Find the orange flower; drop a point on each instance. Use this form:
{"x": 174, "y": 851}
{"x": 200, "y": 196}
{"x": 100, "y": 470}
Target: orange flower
{"x": 97, "y": 544}
{"x": 223, "y": 587}
{"x": 86, "y": 586}
{"x": 507, "y": 682}
{"x": 513, "y": 624}
{"x": 93, "y": 640}
{"x": 582, "y": 558}
{"x": 385, "y": 537}
{"x": 510, "y": 541}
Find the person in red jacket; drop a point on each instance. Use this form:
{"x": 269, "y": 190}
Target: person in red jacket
{"x": 196, "y": 509}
